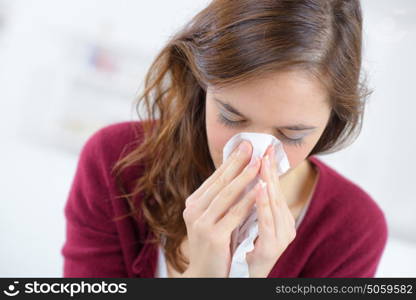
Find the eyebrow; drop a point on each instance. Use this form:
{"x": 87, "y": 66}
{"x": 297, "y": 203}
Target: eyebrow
{"x": 233, "y": 110}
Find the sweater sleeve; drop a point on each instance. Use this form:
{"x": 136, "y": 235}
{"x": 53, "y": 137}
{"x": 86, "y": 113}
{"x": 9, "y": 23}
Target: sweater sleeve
{"x": 354, "y": 243}
{"x": 92, "y": 247}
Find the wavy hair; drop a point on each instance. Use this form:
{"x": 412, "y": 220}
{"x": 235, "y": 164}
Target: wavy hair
{"x": 228, "y": 42}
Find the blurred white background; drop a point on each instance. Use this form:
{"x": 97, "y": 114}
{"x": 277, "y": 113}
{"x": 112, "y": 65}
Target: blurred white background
{"x": 68, "y": 68}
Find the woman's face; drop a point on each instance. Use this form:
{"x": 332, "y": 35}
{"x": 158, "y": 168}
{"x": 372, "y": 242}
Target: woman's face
{"x": 289, "y": 105}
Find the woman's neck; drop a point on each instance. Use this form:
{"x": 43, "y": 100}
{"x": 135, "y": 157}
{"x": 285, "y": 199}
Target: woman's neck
{"x": 297, "y": 183}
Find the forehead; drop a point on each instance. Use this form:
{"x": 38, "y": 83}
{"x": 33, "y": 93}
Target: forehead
{"x": 293, "y": 84}
{"x": 290, "y": 93}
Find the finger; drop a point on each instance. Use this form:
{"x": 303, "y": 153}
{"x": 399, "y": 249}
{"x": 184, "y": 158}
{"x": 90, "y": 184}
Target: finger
{"x": 265, "y": 217}
{"x": 232, "y": 158}
{"x": 271, "y": 186}
{"x": 224, "y": 174}
{"x": 275, "y": 176}
{"x": 238, "y": 212}
{"x": 225, "y": 199}
{"x": 280, "y": 209}
{"x": 223, "y": 180}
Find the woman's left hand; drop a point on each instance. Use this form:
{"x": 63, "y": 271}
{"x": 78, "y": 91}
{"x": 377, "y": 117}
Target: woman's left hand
{"x": 275, "y": 221}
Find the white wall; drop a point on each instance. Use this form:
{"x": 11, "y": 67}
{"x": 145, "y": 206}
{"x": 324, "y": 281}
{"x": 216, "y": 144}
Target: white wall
{"x": 42, "y": 60}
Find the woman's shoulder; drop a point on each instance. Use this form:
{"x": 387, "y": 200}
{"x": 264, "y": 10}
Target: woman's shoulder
{"x": 108, "y": 144}
{"x": 92, "y": 205}
{"x": 114, "y": 137}
{"x": 345, "y": 228}
{"x": 344, "y": 200}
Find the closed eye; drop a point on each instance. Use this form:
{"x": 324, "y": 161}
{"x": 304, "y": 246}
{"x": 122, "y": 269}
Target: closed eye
{"x": 234, "y": 124}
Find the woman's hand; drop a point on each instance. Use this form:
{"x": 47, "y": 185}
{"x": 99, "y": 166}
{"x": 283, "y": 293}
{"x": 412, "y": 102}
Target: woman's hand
{"x": 210, "y": 214}
{"x": 275, "y": 221}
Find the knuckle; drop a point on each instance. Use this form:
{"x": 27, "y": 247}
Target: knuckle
{"x": 268, "y": 224}
{"x": 185, "y": 214}
{"x": 189, "y": 214}
{"x": 221, "y": 168}
{"x": 223, "y": 179}
{"x": 188, "y": 201}
{"x": 226, "y": 193}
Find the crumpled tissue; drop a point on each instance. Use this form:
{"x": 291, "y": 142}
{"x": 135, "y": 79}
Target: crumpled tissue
{"x": 242, "y": 238}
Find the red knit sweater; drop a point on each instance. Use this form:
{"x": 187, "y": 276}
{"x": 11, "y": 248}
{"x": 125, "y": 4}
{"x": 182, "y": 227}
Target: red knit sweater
{"x": 343, "y": 233}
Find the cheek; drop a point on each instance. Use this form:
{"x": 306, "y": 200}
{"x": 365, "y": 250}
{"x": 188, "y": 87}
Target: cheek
{"x": 217, "y": 135}
{"x": 295, "y": 154}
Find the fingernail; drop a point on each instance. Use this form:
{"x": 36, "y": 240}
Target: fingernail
{"x": 274, "y": 156}
{"x": 267, "y": 160}
{"x": 243, "y": 147}
{"x": 263, "y": 185}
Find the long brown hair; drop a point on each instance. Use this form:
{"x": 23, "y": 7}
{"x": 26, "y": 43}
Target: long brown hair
{"x": 228, "y": 42}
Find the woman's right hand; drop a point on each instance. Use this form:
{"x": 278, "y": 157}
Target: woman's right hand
{"x": 210, "y": 214}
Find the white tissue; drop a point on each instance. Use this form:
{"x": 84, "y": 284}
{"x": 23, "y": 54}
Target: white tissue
{"x": 242, "y": 238}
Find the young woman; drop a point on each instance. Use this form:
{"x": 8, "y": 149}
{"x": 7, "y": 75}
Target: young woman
{"x": 152, "y": 198}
